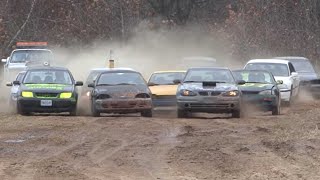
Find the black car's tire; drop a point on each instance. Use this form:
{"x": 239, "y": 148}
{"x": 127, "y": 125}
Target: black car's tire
{"x": 236, "y": 113}
{"x": 182, "y": 113}
{"x": 146, "y": 113}
{"x": 94, "y": 111}
{"x": 73, "y": 112}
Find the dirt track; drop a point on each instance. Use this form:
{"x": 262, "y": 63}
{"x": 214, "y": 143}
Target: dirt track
{"x": 258, "y": 147}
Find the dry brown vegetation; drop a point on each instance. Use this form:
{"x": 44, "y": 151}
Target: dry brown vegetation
{"x": 255, "y": 28}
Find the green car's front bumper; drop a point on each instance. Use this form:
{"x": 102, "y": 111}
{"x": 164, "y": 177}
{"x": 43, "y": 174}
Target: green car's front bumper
{"x": 264, "y": 102}
{"x": 57, "y": 105}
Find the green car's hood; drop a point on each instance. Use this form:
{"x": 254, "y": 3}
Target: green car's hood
{"x": 47, "y": 87}
{"x": 256, "y": 87}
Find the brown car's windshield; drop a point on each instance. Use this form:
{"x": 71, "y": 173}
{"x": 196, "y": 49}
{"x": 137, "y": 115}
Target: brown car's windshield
{"x": 120, "y": 78}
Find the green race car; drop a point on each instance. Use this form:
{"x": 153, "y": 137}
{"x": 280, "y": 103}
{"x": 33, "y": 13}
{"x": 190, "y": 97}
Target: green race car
{"x": 260, "y": 89}
{"x": 47, "y": 90}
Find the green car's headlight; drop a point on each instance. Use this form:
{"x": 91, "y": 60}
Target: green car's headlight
{"x": 27, "y": 94}
{"x": 66, "y": 95}
{"x": 265, "y": 92}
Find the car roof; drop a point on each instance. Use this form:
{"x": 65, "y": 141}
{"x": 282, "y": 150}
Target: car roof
{"x": 111, "y": 69}
{"x": 244, "y": 70}
{"x": 292, "y": 58}
{"x": 32, "y": 50}
{"x": 170, "y": 71}
{"x": 47, "y": 68}
{"x": 209, "y": 68}
{"x": 199, "y": 58}
{"x": 277, "y": 61}
{"x": 119, "y": 71}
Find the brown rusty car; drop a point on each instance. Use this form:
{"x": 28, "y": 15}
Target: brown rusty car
{"x": 120, "y": 91}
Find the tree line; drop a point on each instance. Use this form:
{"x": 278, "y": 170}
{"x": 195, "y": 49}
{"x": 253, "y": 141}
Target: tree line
{"x": 255, "y": 28}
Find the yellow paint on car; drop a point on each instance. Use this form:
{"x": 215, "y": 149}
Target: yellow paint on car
{"x": 164, "y": 90}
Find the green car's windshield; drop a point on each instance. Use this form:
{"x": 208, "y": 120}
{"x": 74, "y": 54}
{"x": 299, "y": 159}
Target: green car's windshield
{"x": 166, "y": 78}
{"x": 254, "y": 77}
{"x": 92, "y": 76}
{"x": 209, "y": 75}
{"x": 120, "y": 78}
{"x": 48, "y": 77}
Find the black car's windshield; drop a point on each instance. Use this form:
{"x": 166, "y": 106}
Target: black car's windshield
{"x": 120, "y": 78}
{"x": 302, "y": 65}
{"x": 276, "y": 69}
{"x": 48, "y": 77}
{"x": 22, "y": 56}
{"x": 209, "y": 75}
{"x": 92, "y": 76}
{"x": 254, "y": 77}
{"x": 166, "y": 78}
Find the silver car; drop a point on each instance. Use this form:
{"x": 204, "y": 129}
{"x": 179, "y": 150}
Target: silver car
{"x": 210, "y": 90}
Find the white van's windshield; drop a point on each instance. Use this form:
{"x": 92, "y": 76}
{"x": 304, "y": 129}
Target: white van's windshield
{"x": 276, "y": 69}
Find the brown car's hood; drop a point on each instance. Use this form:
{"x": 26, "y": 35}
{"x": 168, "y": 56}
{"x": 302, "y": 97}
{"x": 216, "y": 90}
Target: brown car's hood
{"x": 164, "y": 89}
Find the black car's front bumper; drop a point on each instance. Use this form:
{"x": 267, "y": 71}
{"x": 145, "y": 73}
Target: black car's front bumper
{"x": 58, "y": 105}
{"x": 209, "y": 104}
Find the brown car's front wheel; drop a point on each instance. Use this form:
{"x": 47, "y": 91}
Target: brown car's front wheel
{"x": 146, "y": 113}
{"x": 94, "y": 111}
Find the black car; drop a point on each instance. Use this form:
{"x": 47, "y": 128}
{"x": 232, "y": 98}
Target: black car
{"x": 309, "y": 79}
{"x": 303, "y": 66}
{"x": 120, "y": 91}
{"x": 47, "y": 90}
{"x": 260, "y": 90}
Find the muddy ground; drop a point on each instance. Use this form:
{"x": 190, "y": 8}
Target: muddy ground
{"x": 260, "y": 146}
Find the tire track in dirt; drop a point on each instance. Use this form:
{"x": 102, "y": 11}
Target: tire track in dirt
{"x": 28, "y": 169}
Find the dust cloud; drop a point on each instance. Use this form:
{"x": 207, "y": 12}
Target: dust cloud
{"x": 148, "y": 51}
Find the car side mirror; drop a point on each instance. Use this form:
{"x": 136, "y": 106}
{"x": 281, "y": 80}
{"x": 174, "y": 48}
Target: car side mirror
{"x": 16, "y": 82}
{"x": 9, "y": 84}
{"x": 79, "y": 83}
{"x": 177, "y": 81}
{"x": 279, "y": 82}
{"x": 4, "y": 60}
{"x": 91, "y": 85}
{"x": 241, "y": 82}
{"x": 294, "y": 74}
